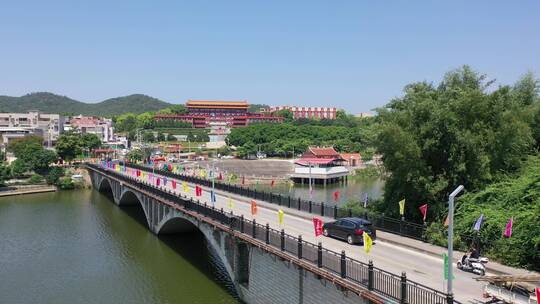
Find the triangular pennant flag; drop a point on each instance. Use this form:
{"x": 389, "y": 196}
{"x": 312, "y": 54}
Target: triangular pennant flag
{"x": 368, "y": 242}
{"x": 280, "y": 217}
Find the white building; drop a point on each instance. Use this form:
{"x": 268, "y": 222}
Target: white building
{"x": 102, "y": 127}
{"x": 306, "y": 112}
{"x": 49, "y": 126}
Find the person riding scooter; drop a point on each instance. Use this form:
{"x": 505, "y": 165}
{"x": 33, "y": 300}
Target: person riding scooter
{"x": 472, "y": 262}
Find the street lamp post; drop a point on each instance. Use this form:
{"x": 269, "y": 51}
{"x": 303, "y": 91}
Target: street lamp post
{"x": 451, "y": 239}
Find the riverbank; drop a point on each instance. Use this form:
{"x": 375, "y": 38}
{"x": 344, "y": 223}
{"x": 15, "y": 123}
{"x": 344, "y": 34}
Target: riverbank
{"x": 30, "y": 189}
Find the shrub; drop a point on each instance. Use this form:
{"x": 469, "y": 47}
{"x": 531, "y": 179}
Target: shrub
{"x": 35, "y": 179}
{"x": 66, "y": 183}
{"x": 54, "y": 175}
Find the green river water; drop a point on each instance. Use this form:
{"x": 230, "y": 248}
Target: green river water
{"x": 79, "y": 247}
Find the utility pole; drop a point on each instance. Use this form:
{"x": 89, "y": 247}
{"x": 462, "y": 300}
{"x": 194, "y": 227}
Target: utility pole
{"x": 451, "y": 240}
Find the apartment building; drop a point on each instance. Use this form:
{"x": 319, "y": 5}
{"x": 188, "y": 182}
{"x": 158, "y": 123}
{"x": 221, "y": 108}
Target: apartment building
{"x": 49, "y": 126}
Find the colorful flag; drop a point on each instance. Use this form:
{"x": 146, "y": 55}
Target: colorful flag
{"x": 537, "y": 289}
{"x": 198, "y": 191}
{"x": 446, "y": 221}
{"x": 243, "y": 180}
{"x": 336, "y": 195}
{"x": 317, "y": 225}
{"x": 220, "y": 177}
{"x": 253, "y": 207}
{"x": 212, "y": 196}
{"x": 230, "y": 203}
{"x": 173, "y": 184}
{"x": 185, "y": 187}
{"x": 157, "y": 182}
{"x": 402, "y": 207}
{"x": 280, "y": 217}
{"x": 368, "y": 242}
{"x": 478, "y": 223}
{"x": 272, "y": 183}
{"x": 423, "y": 210}
{"x": 445, "y": 265}
{"x": 508, "y": 230}
{"x": 165, "y": 181}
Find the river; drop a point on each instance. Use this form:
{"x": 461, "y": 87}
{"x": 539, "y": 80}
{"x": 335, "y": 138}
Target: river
{"x": 78, "y": 247}
{"x": 352, "y": 190}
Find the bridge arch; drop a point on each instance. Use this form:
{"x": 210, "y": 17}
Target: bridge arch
{"x": 132, "y": 198}
{"x": 104, "y": 185}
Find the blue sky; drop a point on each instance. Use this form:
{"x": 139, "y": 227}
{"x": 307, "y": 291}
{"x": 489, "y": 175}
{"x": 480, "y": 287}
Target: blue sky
{"x": 355, "y": 55}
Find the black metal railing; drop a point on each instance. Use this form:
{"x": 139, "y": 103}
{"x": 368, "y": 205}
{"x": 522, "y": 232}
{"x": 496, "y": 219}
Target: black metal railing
{"x": 396, "y": 287}
{"x": 381, "y": 222}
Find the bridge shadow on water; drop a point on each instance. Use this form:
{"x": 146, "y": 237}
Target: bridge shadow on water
{"x": 193, "y": 247}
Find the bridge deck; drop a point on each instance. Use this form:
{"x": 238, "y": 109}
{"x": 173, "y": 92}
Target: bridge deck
{"x": 419, "y": 267}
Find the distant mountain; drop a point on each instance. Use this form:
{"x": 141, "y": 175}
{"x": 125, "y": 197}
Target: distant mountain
{"x": 52, "y": 103}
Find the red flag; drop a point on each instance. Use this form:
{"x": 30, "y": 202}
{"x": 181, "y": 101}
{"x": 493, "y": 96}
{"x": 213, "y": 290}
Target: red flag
{"x": 508, "y": 230}
{"x": 272, "y": 183}
{"x": 174, "y": 184}
{"x": 138, "y": 173}
{"x": 220, "y": 176}
{"x": 243, "y": 180}
{"x": 336, "y": 195}
{"x": 157, "y": 181}
{"x": 537, "y": 289}
{"x": 253, "y": 207}
{"x": 198, "y": 190}
{"x": 423, "y": 210}
{"x": 317, "y": 224}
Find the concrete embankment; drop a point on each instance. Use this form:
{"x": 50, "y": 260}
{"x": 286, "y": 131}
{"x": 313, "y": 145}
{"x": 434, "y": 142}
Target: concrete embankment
{"x": 30, "y": 189}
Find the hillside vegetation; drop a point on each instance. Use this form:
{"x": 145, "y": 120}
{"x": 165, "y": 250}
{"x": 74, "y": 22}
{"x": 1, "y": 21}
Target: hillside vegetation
{"x": 52, "y": 103}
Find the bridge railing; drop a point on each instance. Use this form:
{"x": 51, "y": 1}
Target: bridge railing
{"x": 381, "y": 222}
{"x": 390, "y": 285}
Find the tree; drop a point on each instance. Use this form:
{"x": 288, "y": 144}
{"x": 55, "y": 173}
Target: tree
{"x": 148, "y": 137}
{"x": 19, "y": 168}
{"x": 4, "y": 173}
{"x": 40, "y": 160}
{"x": 286, "y": 114}
{"x": 436, "y": 137}
{"x": 145, "y": 120}
{"x": 19, "y": 145}
{"x": 126, "y": 122}
{"x": 160, "y": 136}
{"x": 90, "y": 141}
{"x": 68, "y": 145}
{"x": 135, "y": 155}
{"x": 170, "y": 137}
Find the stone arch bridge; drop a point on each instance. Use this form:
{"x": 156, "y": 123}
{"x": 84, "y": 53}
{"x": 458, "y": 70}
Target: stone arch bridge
{"x": 260, "y": 271}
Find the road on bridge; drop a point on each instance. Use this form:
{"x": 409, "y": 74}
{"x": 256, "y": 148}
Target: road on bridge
{"x": 420, "y": 267}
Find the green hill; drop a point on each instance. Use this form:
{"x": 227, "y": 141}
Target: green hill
{"x": 52, "y": 103}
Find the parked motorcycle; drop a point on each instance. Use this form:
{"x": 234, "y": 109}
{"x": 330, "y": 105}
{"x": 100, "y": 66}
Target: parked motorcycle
{"x": 473, "y": 265}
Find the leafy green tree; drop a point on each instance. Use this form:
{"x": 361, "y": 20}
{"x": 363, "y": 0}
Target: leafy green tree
{"x": 126, "y": 122}
{"x": 437, "y": 137}
{"x": 145, "y": 120}
{"x": 148, "y": 137}
{"x": 68, "y": 145}
{"x": 19, "y": 146}
{"x": 40, "y": 160}
{"x": 5, "y": 173}
{"x": 135, "y": 155}
{"x": 19, "y": 168}
{"x": 90, "y": 141}
{"x": 286, "y": 114}
{"x": 170, "y": 137}
{"x": 160, "y": 136}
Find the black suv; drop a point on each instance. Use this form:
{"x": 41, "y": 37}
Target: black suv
{"x": 350, "y": 229}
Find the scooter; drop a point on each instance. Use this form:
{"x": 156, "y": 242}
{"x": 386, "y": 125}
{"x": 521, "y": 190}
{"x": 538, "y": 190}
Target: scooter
{"x": 473, "y": 265}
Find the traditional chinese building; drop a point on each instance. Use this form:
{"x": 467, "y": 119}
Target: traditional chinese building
{"x": 320, "y": 164}
{"x": 204, "y": 113}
